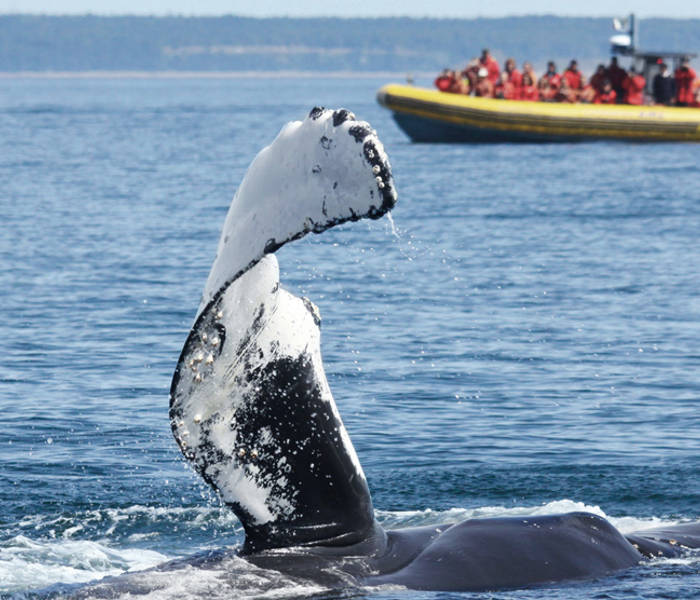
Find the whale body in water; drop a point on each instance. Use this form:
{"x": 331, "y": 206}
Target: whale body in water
{"x": 251, "y": 409}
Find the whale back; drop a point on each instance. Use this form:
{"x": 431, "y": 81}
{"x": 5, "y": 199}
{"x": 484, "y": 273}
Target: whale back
{"x": 250, "y": 405}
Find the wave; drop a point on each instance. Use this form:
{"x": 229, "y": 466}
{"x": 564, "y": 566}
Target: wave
{"x": 55, "y": 551}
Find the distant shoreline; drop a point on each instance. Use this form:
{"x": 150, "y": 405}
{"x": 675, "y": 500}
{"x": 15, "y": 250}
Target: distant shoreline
{"x": 210, "y": 74}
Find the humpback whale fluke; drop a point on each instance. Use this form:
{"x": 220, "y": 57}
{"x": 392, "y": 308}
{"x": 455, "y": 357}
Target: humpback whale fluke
{"x": 250, "y": 404}
{"x": 251, "y": 409}
{"x": 316, "y": 174}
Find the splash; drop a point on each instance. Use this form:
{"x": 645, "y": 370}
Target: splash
{"x": 27, "y": 563}
{"x": 392, "y": 226}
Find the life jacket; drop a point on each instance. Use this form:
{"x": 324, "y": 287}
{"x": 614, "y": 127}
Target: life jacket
{"x": 634, "y": 88}
{"x": 605, "y": 98}
{"x": 549, "y": 85}
{"x": 684, "y": 86}
{"x": 574, "y": 79}
{"x": 493, "y": 69}
{"x": 515, "y": 77}
{"x": 507, "y": 91}
{"x": 444, "y": 82}
{"x": 529, "y": 92}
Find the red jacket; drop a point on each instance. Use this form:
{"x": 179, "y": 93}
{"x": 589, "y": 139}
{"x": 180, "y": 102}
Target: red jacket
{"x": 507, "y": 91}
{"x": 444, "y": 82}
{"x": 574, "y": 79}
{"x": 634, "y": 89}
{"x": 684, "y": 86}
{"x": 529, "y": 92}
{"x": 492, "y": 67}
{"x": 603, "y": 98}
{"x": 549, "y": 85}
{"x": 515, "y": 77}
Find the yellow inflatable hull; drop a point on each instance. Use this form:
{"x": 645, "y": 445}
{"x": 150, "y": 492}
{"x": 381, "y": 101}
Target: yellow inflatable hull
{"x": 432, "y": 116}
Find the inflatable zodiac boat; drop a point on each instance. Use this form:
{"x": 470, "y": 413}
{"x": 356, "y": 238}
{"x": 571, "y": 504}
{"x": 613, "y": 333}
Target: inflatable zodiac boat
{"x": 432, "y": 116}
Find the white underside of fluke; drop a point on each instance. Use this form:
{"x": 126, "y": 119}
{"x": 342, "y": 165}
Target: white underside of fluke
{"x": 313, "y": 175}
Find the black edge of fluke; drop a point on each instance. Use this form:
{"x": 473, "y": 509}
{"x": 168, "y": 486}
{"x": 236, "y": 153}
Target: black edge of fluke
{"x": 341, "y": 115}
{"x": 316, "y": 112}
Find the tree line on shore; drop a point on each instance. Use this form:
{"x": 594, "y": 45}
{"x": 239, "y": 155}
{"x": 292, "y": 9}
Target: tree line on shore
{"x": 230, "y": 43}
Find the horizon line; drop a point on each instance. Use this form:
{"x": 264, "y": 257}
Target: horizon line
{"x": 328, "y": 16}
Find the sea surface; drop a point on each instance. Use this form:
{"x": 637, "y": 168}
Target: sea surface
{"x": 524, "y": 339}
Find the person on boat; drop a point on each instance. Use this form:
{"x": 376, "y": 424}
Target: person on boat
{"x": 514, "y": 75}
{"x": 528, "y": 90}
{"x": 491, "y": 65}
{"x": 445, "y": 80}
{"x": 633, "y": 86}
{"x": 550, "y": 83}
{"x": 573, "y": 82}
{"x": 685, "y": 77}
{"x": 470, "y": 72}
{"x": 527, "y": 69}
{"x": 615, "y": 74}
{"x": 506, "y": 89}
{"x": 483, "y": 87}
{"x": 598, "y": 78}
{"x": 607, "y": 95}
{"x": 663, "y": 86}
{"x": 594, "y": 85}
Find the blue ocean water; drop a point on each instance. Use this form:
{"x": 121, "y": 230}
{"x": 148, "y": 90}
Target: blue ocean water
{"x": 525, "y": 337}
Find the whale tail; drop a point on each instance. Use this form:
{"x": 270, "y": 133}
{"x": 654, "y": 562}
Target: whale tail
{"x": 250, "y": 405}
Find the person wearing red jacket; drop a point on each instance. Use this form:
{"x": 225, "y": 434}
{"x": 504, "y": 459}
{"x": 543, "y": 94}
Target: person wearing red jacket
{"x": 514, "y": 75}
{"x": 528, "y": 90}
{"x": 505, "y": 90}
{"x": 489, "y": 63}
{"x": 445, "y": 80}
{"x": 685, "y": 76}
{"x": 633, "y": 85}
{"x": 574, "y": 82}
{"x": 549, "y": 83}
{"x": 607, "y": 95}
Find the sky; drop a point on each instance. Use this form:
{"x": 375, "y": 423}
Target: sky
{"x": 360, "y": 8}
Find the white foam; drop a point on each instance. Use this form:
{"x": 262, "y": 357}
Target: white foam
{"x": 233, "y": 577}
{"x": 104, "y": 522}
{"x": 626, "y": 524}
{"x": 26, "y": 563}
